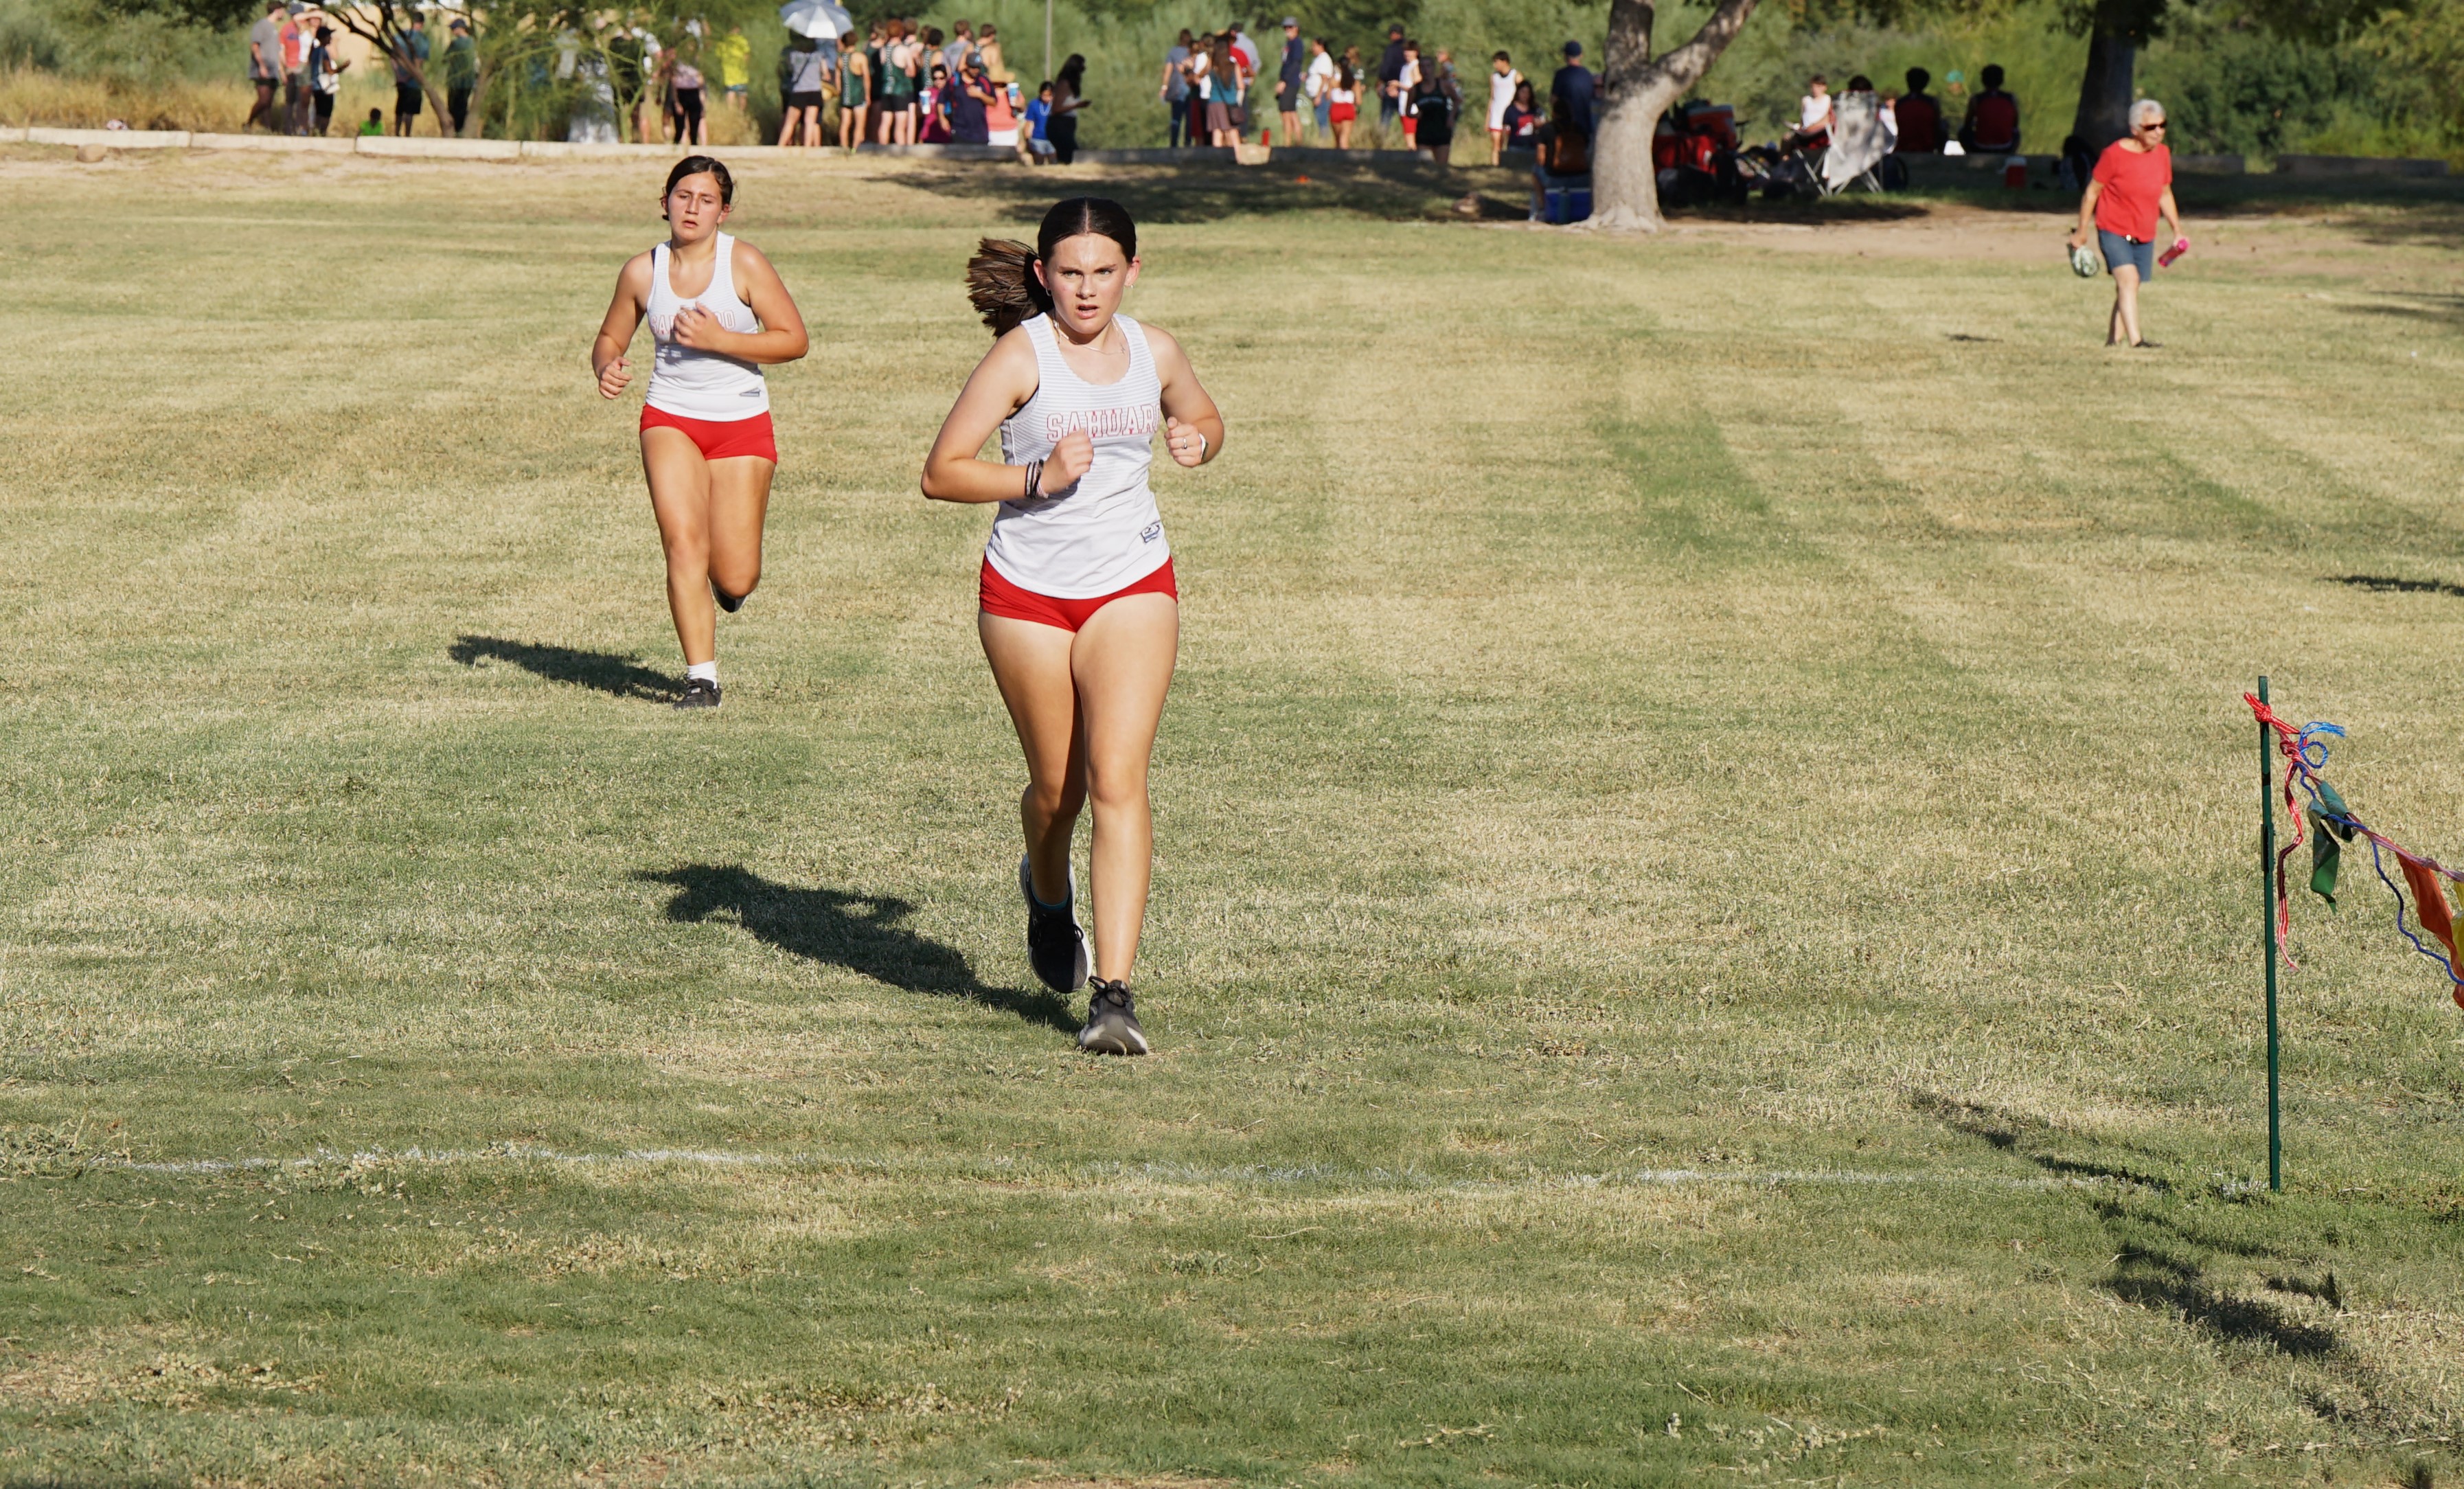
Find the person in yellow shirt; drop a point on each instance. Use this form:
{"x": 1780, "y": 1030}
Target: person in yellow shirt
{"x": 733, "y": 55}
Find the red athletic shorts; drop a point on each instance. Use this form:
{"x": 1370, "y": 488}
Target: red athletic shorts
{"x": 998, "y": 596}
{"x": 718, "y": 439}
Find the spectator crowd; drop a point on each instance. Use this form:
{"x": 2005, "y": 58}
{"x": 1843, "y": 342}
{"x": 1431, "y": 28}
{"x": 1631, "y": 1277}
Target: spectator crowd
{"x": 296, "y": 65}
{"x": 905, "y": 83}
{"x": 1320, "y": 95}
{"x": 1914, "y": 121}
{"x": 902, "y": 83}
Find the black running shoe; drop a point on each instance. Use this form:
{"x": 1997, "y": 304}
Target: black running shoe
{"x": 731, "y": 604}
{"x": 700, "y": 692}
{"x": 1055, "y": 946}
{"x": 1112, "y": 1022}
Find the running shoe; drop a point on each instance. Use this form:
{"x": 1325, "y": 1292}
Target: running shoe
{"x": 1112, "y": 1021}
{"x": 1055, "y": 946}
{"x": 700, "y": 692}
{"x": 731, "y": 604}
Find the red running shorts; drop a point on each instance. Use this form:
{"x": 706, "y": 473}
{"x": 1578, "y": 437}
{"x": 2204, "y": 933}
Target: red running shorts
{"x": 719, "y": 439}
{"x": 995, "y": 595}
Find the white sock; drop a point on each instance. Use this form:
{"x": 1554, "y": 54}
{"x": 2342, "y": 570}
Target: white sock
{"x": 707, "y": 671}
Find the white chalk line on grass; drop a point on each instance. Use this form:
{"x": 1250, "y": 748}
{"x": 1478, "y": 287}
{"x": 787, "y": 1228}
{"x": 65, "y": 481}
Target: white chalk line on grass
{"x": 1166, "y": 1172}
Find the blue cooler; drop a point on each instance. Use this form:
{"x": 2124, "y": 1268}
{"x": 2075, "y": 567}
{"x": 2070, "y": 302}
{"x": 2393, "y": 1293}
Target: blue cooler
{"x": 1567, "y": 199}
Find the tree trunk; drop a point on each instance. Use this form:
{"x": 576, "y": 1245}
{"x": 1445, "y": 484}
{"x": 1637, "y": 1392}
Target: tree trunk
{"x": 435, "y": 101}
{"x": 482, "y": 76}
{"x": 1635, "y": 90}
{"x": 2105, "y": 89}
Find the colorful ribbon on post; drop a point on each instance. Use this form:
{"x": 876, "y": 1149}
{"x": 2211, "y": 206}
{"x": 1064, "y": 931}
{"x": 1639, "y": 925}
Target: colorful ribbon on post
{"x": 2320, "y": 818}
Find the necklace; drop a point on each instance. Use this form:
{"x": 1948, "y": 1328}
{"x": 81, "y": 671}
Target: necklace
{"x": 1096, "y": 346}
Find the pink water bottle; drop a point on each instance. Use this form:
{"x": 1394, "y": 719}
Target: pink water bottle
{"x": 2165, "y": 260}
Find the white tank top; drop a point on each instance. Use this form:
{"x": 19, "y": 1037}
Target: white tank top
{"x": 699, "y": 384}
{"x": 1104, "y": 534}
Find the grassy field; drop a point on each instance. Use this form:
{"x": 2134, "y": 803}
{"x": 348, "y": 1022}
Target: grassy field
{"x": 1704, "y": 916}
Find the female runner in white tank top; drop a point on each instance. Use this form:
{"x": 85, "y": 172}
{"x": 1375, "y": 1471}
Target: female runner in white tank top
{"x": 718, "y": 313}
{"x": 1078, "y": 611}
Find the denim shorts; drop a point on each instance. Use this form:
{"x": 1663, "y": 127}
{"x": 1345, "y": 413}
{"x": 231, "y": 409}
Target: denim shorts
{"x": 2120, "y": 251}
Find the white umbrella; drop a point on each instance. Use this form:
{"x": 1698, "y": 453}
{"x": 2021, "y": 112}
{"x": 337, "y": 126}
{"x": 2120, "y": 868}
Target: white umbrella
{"x": 817, "y": 18}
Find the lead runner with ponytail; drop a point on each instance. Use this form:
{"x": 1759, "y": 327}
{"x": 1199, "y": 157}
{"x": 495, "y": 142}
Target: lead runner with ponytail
{"x": 1078, "y": 612}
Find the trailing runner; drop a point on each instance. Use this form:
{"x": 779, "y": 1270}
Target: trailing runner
{"x": 718, "y": 313}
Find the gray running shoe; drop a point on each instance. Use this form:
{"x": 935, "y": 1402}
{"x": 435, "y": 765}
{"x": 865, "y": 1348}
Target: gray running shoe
{"x": 1055, "y": 946}
{"x": 1112, "y": 1022}
{"x": 700, "y": 692}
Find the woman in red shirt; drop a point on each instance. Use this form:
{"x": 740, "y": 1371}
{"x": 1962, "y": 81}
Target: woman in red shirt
{"x": 2132, "y": 187}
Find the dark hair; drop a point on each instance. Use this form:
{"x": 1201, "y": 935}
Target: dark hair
{"x": 1000, "y": 278}
{"x": 1861, "y": 83}
{"x": 1991, "y": 76}
{"x": 1073, "y": 72}
{"x": 1917, "y": 78}
{"x": 696, "y": 164}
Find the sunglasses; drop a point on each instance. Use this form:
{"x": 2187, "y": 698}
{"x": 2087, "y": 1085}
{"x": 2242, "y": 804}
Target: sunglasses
{"x": 2158, "y": 124}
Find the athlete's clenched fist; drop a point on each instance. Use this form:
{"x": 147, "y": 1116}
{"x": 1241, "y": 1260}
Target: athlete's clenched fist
{"x": 613, "y": 377}
{"x": 1188, "y": 447}
{"x": 1070, "y": 458}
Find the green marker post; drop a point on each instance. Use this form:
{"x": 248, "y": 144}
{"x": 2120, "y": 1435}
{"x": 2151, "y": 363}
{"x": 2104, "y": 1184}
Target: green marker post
{"x": 2267, "y": 915}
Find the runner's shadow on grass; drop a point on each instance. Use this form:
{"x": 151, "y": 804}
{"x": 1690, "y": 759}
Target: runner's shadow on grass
{"x": 2386, "y": 584}
{"x": 863, "y": 932}
{"x": 617, "y": 676}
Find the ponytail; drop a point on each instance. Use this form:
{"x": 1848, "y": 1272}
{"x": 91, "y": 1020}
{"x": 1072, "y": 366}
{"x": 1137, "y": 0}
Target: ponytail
{"x": 1000, "y": 278}
{"x": 1002, "y": 284}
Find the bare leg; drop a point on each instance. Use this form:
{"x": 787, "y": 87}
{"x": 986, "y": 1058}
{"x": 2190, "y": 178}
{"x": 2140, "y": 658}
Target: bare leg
{"x": 788, "y": 125}
{"x": 1031, "y": 667}
{"x": 2126, "y": 303}
{"x": 740, "y": 500}
{"x": 1122, "y": 663}
{"x": 680, "y": 489}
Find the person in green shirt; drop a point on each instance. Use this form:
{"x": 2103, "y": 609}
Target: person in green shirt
{"x": 373, "y": 124}
{"x": 461, "y": 71}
